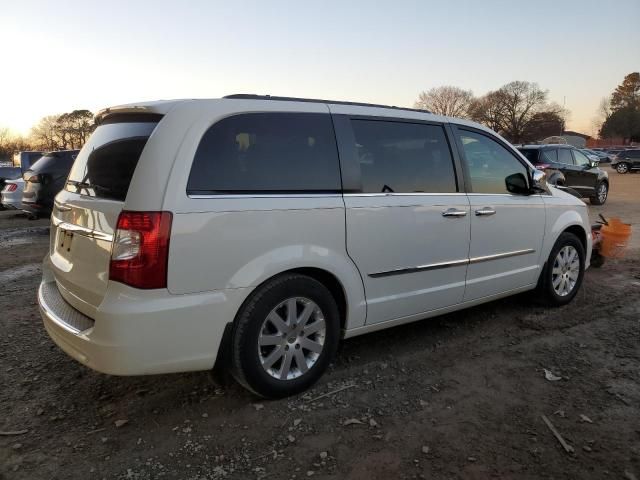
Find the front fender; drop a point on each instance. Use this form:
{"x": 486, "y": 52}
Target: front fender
{"x": 603, "y": 176}
{"x": 560, "y": 217}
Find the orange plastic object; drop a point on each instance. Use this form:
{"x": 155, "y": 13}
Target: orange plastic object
{"x": 615, "y": 238}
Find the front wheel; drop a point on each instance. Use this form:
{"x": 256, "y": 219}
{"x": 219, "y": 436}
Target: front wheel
{"x": 285, "y": 336}
{"x": 602, "y": 191}
{"x": 622, "y": 167}
{"x": 563, "y": 273}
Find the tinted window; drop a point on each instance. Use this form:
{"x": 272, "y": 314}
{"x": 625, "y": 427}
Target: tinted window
{"x": 564, "y": 156}
{"x": 403, "y": 157}
{"x": 581, "y": 159}
{"x": 54, "y": 163}
{"x": 267, "y": 152}
{"x": 550, "y": 155}
{"x": 633, "y": 153}
{"x": 106, "y": 163}
{"x": 488, "y": 162}
{"x": 531, "y": 154}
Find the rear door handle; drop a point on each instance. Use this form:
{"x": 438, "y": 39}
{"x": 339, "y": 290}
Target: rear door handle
{"x": 454, "y": 212}
{"x": 486, "y": 211}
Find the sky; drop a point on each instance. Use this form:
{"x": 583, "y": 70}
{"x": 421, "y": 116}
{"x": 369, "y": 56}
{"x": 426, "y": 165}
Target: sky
{"x": 61, "y": 56}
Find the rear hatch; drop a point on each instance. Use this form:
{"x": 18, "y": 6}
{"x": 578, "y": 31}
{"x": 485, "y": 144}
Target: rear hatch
{"x": 86, "y": 211}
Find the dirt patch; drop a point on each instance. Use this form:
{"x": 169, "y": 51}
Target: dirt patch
{"x": 459, "y": 396}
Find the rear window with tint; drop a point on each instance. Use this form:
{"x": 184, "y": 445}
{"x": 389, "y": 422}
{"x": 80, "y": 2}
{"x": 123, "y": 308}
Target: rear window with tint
{"x": 56, "y": 163}
{"x": 530, "y": 153}
{"x": 267, "y": 152}
{"x": 106, "y": 163}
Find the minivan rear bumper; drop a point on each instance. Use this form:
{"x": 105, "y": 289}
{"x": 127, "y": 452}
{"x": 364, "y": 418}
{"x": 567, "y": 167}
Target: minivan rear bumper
{"x": 138, "y": 332}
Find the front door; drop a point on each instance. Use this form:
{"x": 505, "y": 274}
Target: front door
{"x": 407, "y": 223}
{"x": 586, "y": 175}
{"x": 507, "y": 230}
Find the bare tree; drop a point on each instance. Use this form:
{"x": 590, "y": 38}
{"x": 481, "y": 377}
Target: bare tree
{"x": 44, "y": 134}
{"x": 489, "y": 110}
{"x": 519, "y": 111}
{"x": 446, "y": 100}
{"x": 59, "y": 132}
{"x": 521, "y": 101}
{"x": 74, "y": 128}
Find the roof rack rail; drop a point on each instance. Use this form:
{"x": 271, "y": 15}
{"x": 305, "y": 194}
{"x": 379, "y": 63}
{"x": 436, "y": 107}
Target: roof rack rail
{"x": 249, "y": 96}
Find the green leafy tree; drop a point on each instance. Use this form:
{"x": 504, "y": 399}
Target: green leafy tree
{"x": 624, "y": 120}
{"x": 627, "y": 94}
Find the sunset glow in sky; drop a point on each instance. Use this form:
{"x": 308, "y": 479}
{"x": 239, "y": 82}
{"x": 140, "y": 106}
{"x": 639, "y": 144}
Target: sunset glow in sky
{"x": 60, "y": 56}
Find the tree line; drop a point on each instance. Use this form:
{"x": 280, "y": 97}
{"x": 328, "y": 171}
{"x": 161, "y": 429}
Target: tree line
{"x": 520, "y": 111}
{"x": 67, "y": 131}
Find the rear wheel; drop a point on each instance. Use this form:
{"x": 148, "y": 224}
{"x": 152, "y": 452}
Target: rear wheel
{"x": 622, "y": 167}
{"x": 602, "y": 191}
{"x": 562, "y": 275}
{"x": 285, "y": 336}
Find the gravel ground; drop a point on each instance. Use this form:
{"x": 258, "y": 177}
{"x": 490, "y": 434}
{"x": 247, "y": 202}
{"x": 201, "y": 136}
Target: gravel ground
{"x": 459, "y": 396}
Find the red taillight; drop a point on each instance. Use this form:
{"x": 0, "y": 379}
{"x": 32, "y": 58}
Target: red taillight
{"x": 141, "y": 249}
{"x": 10, "y": 187}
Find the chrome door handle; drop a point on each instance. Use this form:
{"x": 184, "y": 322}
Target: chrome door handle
{"x": 485, "y": 211}
{"x": 454, "y": 212}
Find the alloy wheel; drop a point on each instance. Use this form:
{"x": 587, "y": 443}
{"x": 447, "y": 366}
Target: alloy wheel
{"x": 622, "y": 168}
{"x": 291, "y": 338}
{"x": 565, "y": 272}
{"x": 602, "y": 192}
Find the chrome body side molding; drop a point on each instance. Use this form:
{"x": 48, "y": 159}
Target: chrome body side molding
{"x": 453, "y": 263}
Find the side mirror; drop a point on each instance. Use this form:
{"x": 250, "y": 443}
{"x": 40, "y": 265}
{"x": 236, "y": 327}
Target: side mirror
{"x": 593, "y": 163}
{"x": 539, "y": 181}
{"x": 517, "y": 183}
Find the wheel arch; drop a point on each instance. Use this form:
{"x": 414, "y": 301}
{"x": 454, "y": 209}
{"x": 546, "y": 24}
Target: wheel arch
{"x": 579, "y": 232}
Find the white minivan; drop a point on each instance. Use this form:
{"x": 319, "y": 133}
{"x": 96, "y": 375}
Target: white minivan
{"x": 258, "y": 232}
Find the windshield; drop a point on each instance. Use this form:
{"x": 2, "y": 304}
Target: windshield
{"x": 105, "y": 165}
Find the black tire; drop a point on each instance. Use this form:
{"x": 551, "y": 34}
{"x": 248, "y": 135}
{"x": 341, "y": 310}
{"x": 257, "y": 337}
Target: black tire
{"x": 622, "y": 168}
{"x": 597, "y": 198}
{"x": 546, "y": 291}
{"x": 246, "y": 365}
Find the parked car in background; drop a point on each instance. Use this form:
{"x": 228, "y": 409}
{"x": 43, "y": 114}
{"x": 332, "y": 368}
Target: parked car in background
{"x": 260, "y": 231}
{"x": 613, "y": 152}
{"x": 599, "y": 155}
{"x": 44, "y": 180}
{"x": 590, "y": 155}
{"x": 11, "y": 194}
{"x": 566, "y": 166}
{"x": 627, "y": 161}
{"x": 25, "y": 159}
{"x": 20, "y": 163}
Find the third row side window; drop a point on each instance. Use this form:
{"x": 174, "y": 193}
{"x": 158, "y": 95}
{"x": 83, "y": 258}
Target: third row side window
{"x": 275, "y": 152}
{"x": 403, "y": 157}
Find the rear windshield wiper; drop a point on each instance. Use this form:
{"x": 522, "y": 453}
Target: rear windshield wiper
{"x": 85, "y": 186}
